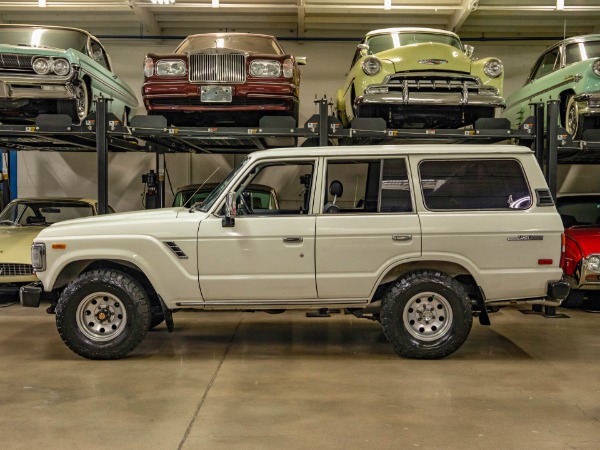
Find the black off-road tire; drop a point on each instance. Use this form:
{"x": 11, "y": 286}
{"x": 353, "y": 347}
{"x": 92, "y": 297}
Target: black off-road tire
{"x": 103, "y": 314}
{"x": 426, "y": 315}
{"x": 574, "y": 300}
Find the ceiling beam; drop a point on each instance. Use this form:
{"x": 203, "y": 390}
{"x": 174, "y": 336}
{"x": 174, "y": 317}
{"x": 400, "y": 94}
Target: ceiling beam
{"x": 461, "y": 14}
{"x": 146, "y": 18}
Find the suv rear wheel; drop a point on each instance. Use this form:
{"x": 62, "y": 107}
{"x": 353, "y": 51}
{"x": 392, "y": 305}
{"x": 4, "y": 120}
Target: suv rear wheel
{"x": 426, "y": 315}
{"x": 103, "y": 314}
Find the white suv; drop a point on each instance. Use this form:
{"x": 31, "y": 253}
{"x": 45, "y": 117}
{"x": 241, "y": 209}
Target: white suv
{"x": 420, "y": 238}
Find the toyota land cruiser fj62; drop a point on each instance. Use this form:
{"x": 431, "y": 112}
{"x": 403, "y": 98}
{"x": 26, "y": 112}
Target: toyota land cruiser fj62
{"x": 419, "y": 238}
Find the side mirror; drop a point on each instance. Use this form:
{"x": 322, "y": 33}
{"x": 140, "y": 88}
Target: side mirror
{"x": 364, "y": 48}
{"x": 230, "y": 210}
{"x": 469, "y": 49}
{"x": 301, "y": 60}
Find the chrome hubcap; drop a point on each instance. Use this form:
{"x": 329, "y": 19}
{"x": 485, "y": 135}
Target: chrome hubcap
{"x": 572, "y": 120}
{"x": 81, "y": 99}
{"x": 427, "y": 316}
{"x": 101, "y": 316}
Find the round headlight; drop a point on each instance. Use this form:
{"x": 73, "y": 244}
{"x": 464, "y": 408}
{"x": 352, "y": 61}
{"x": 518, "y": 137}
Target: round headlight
{"x": 41, "y": 66}
{"x": 593, "y": 263}
{"x": 371, "y": 66}
{"x": 596, "y": 67}
{"x": 61, "y": 67}
{"x": 170, "y": 67}
{"x": 265, "y": 68}
{"x": 493, "y": 68}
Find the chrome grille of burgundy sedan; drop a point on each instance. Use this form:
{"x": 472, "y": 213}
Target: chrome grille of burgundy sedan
{"x": 218, "y": 68}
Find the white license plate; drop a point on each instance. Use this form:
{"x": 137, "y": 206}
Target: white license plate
{"x": 216, "y": 94}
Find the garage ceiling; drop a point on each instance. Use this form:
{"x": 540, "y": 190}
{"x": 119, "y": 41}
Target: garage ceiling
{"x": 312, "y": 19}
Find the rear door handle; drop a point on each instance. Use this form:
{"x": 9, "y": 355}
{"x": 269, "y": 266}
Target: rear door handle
{"x": 292, "y": 240}
{"x": 402, "y": 237}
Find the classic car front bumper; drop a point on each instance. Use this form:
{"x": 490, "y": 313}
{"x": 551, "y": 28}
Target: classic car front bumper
{"x": 407, "y": 97}
{"x": 588, "y": 104}
{"x": 185, "y": 96}
{"x": 37, "y": 87}
{"x": 31, "y": 294}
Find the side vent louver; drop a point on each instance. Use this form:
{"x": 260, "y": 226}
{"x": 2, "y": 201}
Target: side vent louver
{"x": 544, "y": 197}
{"x": 175, "y": 249}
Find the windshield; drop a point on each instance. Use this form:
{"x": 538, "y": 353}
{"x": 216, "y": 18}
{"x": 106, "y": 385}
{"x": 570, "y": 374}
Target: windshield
{"x": 381, "y": 42}
{"x": 44, "y": 37}
{"x": 582, "y": 51}
{"x": 216, "y": 193}
{"x": 247, "y": 43}
{"x": 30, "y": 213}
{"x": 579, "y": 210}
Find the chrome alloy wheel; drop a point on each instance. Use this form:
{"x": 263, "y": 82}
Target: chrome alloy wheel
{"x": 81, "y": 101}
{"x": 427, "y": 316}
{"x": 101, "y": 316}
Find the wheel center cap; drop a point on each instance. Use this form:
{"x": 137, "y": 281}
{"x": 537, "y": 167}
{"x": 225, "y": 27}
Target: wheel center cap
{"x": 103, "y": 315}
{"x": 426, "y": 315}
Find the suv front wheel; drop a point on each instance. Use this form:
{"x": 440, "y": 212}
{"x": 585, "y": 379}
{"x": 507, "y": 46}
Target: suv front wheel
{"x": 426, "y": 315}
{"x": 103, "y": 314}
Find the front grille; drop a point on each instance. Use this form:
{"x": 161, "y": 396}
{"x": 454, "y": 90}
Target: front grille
{"x": 16, "y": 62}
{"x": 15, "y": 270}
{"x": 434, "y": 83}
{"x": 218, "y": 68}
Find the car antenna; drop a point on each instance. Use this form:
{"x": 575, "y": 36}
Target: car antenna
{"x": 200, "y": 187}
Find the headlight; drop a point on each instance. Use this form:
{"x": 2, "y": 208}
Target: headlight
{"x": 371, "y": 66}
{"x": 41, "y": 66}
{"x": 596, "y": 67}
{"x": 61, "y": 67}
{"x": 38, "y": 256}
{"x": 148, "y": 67}
{"x": 288, "y": 68}
{"x": 170, "y": 67}
{"x": 265, "y": 68}
{"x": 493, "y": 68}
{"x": 593, "y": 263}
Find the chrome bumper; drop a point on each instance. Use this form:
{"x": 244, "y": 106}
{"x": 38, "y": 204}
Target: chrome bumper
{"x": 37, "y": 87}
{"x": 588, "y": 104}
{"x": 431, "y": 98}
{"x": 585, "y": 277}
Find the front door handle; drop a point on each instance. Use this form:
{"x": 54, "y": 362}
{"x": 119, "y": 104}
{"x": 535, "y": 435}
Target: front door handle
{"x": 292, "y": 240}
{"x": 402, "y": 237}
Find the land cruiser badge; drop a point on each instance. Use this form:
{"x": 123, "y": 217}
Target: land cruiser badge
{"x": 526, "y": 237}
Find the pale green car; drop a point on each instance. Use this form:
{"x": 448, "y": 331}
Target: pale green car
{"x": 420, "y": 78}
{"x": 57, "y": 70}
{"x": 568, "y": 71}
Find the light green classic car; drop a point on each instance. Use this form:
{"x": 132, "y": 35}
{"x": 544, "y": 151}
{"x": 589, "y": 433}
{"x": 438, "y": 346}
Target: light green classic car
{"x": 52, "y": 70}
{"x": 419, "y": 78}
{"x": 568, "y": 71}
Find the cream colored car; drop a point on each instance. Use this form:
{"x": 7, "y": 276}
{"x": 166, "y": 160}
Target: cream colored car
{"x": 419, "y": 238}
{"x": 20, "y": 222}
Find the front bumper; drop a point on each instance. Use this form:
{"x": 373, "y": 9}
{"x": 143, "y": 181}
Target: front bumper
{"x": 407, "y": 97}
{"x": 31, "y": 294}
{"x": 588, "y": 104}
{"x": 185, "y": 96}
{"x": 37, "y": 87}
{"x": 584, "y": 277}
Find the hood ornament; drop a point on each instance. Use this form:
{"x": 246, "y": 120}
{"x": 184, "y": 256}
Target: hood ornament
{"x": 433, "y": 62}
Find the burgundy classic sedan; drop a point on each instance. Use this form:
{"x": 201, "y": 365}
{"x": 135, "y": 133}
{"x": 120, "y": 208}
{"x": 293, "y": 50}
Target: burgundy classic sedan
{"x": 224, "y": 79}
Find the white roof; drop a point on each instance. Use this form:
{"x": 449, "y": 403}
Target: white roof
{"x": 389, "y": 150}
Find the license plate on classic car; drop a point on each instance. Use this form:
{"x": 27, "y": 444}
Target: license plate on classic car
{"x": 216, "y": 94}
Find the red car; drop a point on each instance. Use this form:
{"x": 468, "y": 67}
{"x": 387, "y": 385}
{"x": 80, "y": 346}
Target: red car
{"x": 581, "y": 218}
{"x": 225, "y": 79}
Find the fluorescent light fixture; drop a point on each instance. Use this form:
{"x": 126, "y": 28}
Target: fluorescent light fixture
{"x": 560, "y": 5}
{"x": 162, "y": 2}
{"x": 42, "y": 3}
{"x": 387, "y": 4}
{"x": 215, "y": 3}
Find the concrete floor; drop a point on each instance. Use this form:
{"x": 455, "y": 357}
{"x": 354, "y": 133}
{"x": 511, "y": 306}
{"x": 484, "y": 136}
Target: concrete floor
{"x": 257, "y": 381}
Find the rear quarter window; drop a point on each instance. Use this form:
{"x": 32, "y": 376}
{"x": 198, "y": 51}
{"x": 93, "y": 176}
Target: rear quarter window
{"x": 474, "y": 184}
